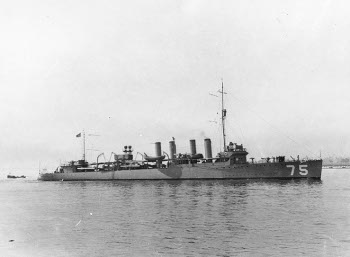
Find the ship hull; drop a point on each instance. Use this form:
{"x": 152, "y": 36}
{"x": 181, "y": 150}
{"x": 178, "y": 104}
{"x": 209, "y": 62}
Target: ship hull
{"x": 284, "y": 170}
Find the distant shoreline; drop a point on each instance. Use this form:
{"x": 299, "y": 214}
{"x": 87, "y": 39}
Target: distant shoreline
{"x": 336, "y": 166}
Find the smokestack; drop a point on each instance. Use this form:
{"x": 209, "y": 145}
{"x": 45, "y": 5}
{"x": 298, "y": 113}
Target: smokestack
{"x": 207, "y": 148}
{"x": 172, "y": 149}
{"x": 158, "y": 149}
{"x": 193, "y": 146}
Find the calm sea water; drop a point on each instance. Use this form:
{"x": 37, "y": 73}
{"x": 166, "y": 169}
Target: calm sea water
{"x": 177, "y": 218}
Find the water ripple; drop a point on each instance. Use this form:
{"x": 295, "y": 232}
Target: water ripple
{"x": 176, "y": 218}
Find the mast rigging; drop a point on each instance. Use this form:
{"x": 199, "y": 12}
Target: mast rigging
{"x": 223, "y": 113}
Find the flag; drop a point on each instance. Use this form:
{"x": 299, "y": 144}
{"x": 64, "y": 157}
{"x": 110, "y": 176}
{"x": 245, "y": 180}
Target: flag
{"x": 79, "y": 135}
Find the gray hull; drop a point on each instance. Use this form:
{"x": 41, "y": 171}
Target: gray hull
{"x": 283, "y": 170}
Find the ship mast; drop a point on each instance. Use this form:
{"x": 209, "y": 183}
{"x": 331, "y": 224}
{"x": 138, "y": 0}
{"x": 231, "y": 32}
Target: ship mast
{"x": 223, "y": 113}
{"x": 84, "y": 145}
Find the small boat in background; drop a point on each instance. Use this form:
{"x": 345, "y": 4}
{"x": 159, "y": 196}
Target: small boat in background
{"x": 12, "y": 176}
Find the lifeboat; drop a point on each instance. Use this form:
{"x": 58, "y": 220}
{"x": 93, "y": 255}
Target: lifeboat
{"x": 154, "y": 158}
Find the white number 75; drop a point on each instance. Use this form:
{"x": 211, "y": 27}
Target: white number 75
{"x": 302, "y": 169}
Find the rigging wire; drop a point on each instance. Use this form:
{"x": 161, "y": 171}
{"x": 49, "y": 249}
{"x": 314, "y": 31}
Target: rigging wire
{"x": 254, "y": 147}
{"x": 273, "y": 126}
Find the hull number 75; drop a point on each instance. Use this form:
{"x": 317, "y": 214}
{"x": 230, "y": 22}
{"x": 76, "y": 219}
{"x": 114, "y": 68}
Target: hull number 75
{"x": 302, "y": 169}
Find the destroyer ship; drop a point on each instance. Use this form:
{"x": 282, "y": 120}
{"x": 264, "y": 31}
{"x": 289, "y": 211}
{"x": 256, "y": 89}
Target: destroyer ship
{"x": 231, "y": 163}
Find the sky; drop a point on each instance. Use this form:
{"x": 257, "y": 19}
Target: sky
{"x": 138, "y": 72}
